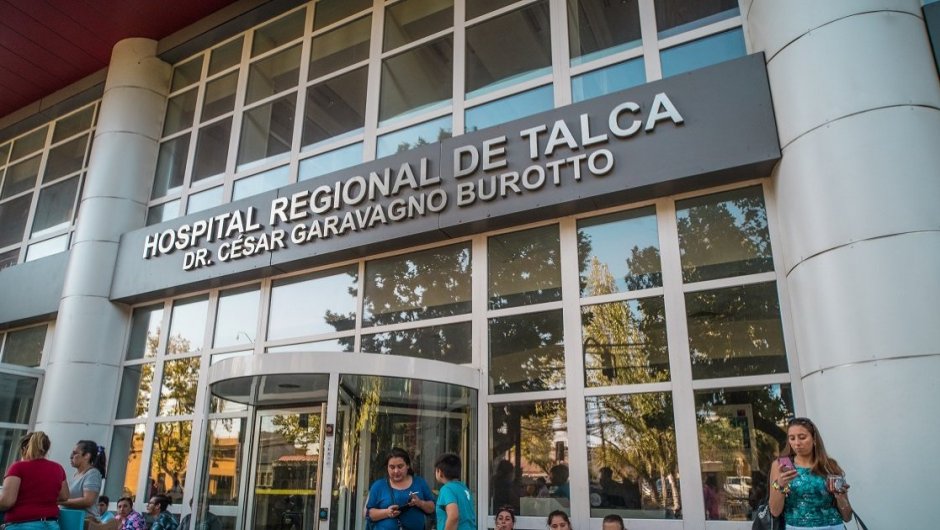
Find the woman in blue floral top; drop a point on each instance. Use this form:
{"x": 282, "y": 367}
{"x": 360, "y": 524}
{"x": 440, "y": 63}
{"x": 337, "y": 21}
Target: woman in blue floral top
{"x": 800, "y": 488}
{"x": 162, "y": 519}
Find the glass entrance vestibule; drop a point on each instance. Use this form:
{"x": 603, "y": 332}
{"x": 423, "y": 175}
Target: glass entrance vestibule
{"x": 317, "y": 429}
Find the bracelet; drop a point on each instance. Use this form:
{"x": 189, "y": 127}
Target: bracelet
{"x": 785, "y": 490}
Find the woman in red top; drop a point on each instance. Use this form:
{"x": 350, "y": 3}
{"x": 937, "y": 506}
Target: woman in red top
{"x": 33, "y": 487}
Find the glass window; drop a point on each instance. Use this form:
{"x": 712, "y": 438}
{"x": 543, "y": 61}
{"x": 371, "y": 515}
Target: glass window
{"x": 20, "y": 177}
{"x": 169, "y": 458}
{"x": 225, "y": 56}
{"x": 619, "y": 252}
{"x": 530, "y": 441}
{"x": 449, "y": 343}
{"x": 278, "y": 32}
{"x": 335, "y": 107}
{"x": 409, "y": 287}
{"x": 724, "y": 234}
{"x": 10, "y": 443}
{"x": 127, "y": 448}
{"x": 178, "y": 389}
{"x": 417, "y": 135}
{"x": 625, "y": 342}
{"x": 17, "y": 396}
{"x": 24, "y": 347}
{"x": 145, "y": 332}
{"x": 600, "y": 27}
{"x": 273, "y": 74}
{"x": 9, "y": 258}
{"x": 678, "y": 16}
{"x": 226, "y": 440}
{"x": 180, "y": 111}
{"x": 55, "y": 207}
{"x": 260, "y": 183}
{"x": 509, "y": 108}
{"x": 417, "y": 79}
{"x": 211, "y": 149}
{"x": 71, "y": 125}
{"x": 220, "y": 96}
{"x": 171, "y": 163}
{"x": 237, "y": 317}
{"x": 476, "y": 8}
{"x": 740, "y": 431}
{"x": 632, "y": 456}
{"x": 13, "y": 219}
{"x": 163, "y": 212}
{"x": 524, "y": 267}
{"x": 527, "y": 352}
{"x": 204, "y": 200}
{"x": 330, "y": 11}
{"x": 410, "y": 20}
{"x": 267, "y": 131}
{"x": 344, "y": 344}
{"x": 330, "y": 161}
{"x": 341, "y": 47}
{"x": 47, "y": 247}
{"x": 186, "y": 74}
{"x": 29, "y": 143}
{"x": 65, "y": 159}
{"x": 322, "y": 302}
{"x": 4, "y": 151}
{"x": 136, "y": 389}
{"x": 187, "y": 326}
{"x": 703, "y": 52}
{"x": 735, "y": 331}
{"x": 509, "y": 48}
{"x": 608, "y": 80}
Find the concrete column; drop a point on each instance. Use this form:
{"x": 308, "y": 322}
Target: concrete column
{"x": 80, "y": 390}
{"x": 857, "y": 102}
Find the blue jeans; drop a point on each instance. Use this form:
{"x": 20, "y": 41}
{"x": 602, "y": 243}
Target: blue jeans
{"x": 34, "y": 525}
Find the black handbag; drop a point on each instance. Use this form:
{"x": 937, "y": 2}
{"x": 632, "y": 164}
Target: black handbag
{"x": 764, "y": 520}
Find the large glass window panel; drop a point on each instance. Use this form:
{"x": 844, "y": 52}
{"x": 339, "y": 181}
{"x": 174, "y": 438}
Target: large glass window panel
{"x": 169, "y": 458}
{"x": 509, "y": 108}
{"x": 417, "y": 135}
{"x": 17, "y": 396}
{"x": 237, "y": 317}
{"x": 225, "y": 56}
{"x": 449, "y": 343}
{"x": 47, "y": 248}
{"x": 609, "y": 79}
{"x": 509, "y": 48}
{"x": 13, "y": 219}
{"x": 145, "y": 332}
{"x": 66, "y": 158}
{"x": 619, "y": 252}
{"x": 171, "y": 164}
{"x": 724, "y": 234}
{"x": 125, "y": 461}
{"x": 740, "y": 431}
{"x": 703, "y": 52}
{"x": 163, "y": 212}
{"x": 212, "y": 149}
{"x": 524, "y": 267}
{"x": 223, "y": 470}
{"x": 219, "y": 97}
{"x": 410, "y": 20}
{"x": 601, "y": 27}
{"x": 4, "y": 151}
{"x": 632, "y": 458}
{"x": 71, "y": 125}
{"x": 23, "y": 347}
{"x": 341, "y": 47}
{"x": 136, "y": 390}
{"x": 178, "y": 389}
{"x": 186, "y": 74}
{"x": 260, "y": 183}
{"x": 278, "y": 32}
{"x": 625, "y": 342}
{"x": 735, "y": 331}
{"x": 204, "y": 200}
{"x": 678, "y": 16}
{"x": 426, "y": 284}
{"x": 55, "y": 207}
{"x": 187, "y": 326}
{"x": 330, "y": 161}
{"x": 418, "y": 78}
{"x": 9, "y": 258}
{"x": 476, "y": 8}
{"x": 529, "y": 441}
{"x": 335, "y": 107}
{"x": 273, "y": 74}
{"x": 527, "y": 352}
{"x": 180, "y": 111}
{"x": 29, "y": 143}
{"x": 322, "y": 302}
{"x": 330, "y": 11}
{"x": 267, "y": 130}
{"x": 20, "y": 177}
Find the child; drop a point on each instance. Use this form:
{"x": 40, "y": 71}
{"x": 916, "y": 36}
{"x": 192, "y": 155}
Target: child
{"x": 456, "y": 509}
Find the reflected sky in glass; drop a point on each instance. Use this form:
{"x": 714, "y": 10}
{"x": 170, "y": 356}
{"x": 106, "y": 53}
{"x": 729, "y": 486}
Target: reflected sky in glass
{"x": 329, "y": 162}
{"x": 324, "y": 302}
{"x": 609, "y": 79}
{"x": 510, "y": 108}
{"x": 237, "y": 318}
{"x": 188, "y": 325}
{"x": 703, "y": 52}
{"x": 411, "y": 137}
{"x": 204, "y": 200}
{"x": 627, "y": 245}
{"x": 260, "y": 183}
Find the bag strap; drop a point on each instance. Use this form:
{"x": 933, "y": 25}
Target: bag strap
{"x": 858, "y": 520}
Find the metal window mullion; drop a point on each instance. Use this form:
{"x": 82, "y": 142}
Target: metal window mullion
{"x": 360, "y": 304}
{"x": 701, "y": 32}
{"x": 201, "y": 406}
{"x": 264, "y": 309}
{"x": 480, "y": 357}
{"x": 607, "y": 60}
{"x": 306, "y": 48}
{"x": 459, "y": 62}
{"x": 37, "y": 189}
{"x": 238, "y": 114}
{"x": 561, "y": 70}
{"x": 650, "y": 38}
{"x": 398, "y": 123}
{"x": 373, "y": 79}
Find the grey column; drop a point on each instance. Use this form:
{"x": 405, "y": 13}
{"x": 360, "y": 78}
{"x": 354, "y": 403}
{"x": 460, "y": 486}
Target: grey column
{"x": 857, "y": 102}
{"x": 82, "y": 377}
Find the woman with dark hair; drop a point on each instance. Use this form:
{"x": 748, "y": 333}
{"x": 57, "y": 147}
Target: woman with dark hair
{"x": 33, "y": 486}
{"x": 505, "y": 518}
{"x": 558, "y": 520}
{"x": 130, "y": 520}
{"x": 807, "y": 485}
{"x": 157, "y": 510}
{"x": 400, "y": 500}
{"x": 89, "y": 462}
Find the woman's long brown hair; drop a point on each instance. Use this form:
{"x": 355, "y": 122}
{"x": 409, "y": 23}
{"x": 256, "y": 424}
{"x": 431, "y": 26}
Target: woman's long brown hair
{"x": 823, "y": 464}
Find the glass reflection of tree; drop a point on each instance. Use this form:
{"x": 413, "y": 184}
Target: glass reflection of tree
{"x": 524, "y": 433}
{"x": 527, "y": 352}
{"x": 177, "y": 397}
{"x": 528, "y": 259}
{"x": 442, "y": 134}
{"x": 170, "y": 455}
{"x": 299, "y": 430}
{"x": 144, "y": 390}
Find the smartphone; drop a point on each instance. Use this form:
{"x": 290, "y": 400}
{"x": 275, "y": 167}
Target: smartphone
{"x": 786, "y": 463}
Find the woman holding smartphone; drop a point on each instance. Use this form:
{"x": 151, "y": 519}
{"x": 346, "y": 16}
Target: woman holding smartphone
{"x": 400, "y": 500}
{"x": 807, "y": 486}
